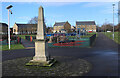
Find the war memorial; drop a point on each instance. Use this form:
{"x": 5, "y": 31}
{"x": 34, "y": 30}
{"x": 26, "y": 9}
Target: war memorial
{"x": 82, "y": 53}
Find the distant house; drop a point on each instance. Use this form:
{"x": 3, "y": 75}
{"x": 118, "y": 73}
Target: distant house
{"x": 60, "y": 27}
{"x": 88, "y": 26}
{"x": 24, "y": 28}
{"x": 3, "y": 28}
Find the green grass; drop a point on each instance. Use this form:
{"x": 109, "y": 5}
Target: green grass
{"x": 89, "y": 35}
{"x": 13, "y": 47}
{"x": 116, "y": 36}
{"x": 93, "y": 33}
{"x": 85, "y": 36}
{"x": 23, "y": 36}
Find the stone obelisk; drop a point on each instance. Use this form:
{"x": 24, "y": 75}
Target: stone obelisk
{"x": 41, "y": 55}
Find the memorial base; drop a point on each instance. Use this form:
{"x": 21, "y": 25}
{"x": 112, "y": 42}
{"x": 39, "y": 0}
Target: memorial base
{"x": 49, "y": 63}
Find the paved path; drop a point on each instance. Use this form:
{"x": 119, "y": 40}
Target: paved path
{"x": 103, "y": 55}
{"x": 27, "y": 44}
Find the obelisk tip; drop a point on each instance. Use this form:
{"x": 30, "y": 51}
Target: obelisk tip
{"x": 41, "y": 7}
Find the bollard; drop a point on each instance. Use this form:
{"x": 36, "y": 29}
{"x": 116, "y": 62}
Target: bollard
{"x": 31, "y": 38}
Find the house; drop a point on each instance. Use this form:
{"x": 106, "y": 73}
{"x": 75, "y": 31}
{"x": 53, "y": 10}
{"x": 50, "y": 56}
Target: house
{"x": 88, "y": 26}
{"x": 24, "y": 28}
{"x": 60, "y": 27}
{"x": 3, "y": 28}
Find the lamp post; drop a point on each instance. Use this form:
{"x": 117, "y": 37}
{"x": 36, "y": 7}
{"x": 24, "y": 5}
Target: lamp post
{"x": 113, "y": 20}
{"x": 8, "y": 7}
{"x": 105, "y": 25}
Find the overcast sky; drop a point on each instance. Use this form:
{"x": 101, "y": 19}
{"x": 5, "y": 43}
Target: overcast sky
{"x": 61, "y": 12}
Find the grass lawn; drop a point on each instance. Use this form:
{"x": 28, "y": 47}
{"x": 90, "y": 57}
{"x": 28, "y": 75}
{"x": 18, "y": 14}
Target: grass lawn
{"x": 13, "y": 47}
{"x": 85, "y": 36}
{"x": 89, "y": 35}
{"x": 23, "y": 36}
{"x": 116, "y": 38}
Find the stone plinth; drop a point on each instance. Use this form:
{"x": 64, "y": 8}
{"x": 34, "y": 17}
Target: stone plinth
{"x": 41, "y": 53}
{"x": 42, "y": 57}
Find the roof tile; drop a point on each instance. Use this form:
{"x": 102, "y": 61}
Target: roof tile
{"x": 85, "y": 23}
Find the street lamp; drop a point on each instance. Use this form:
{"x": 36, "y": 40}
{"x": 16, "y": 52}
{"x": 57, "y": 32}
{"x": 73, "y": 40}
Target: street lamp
{"x": 113, "y": 20}
{"x": 105, "y": 25}
{"x": 8, "y": 7}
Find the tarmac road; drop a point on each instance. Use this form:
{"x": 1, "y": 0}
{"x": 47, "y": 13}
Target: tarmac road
{"x": 103, "y": 55}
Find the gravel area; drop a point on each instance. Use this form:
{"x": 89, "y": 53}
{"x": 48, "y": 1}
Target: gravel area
{"x": 65, "y": 66}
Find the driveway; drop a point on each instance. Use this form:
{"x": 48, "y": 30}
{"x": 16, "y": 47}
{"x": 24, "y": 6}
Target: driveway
{"x": 103, "y": 55}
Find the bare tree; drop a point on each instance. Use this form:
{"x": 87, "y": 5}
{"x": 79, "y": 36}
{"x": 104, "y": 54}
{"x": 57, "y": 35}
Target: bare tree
{"x": 97, "y": 28}
{"x": 107, "y": 27}
{"x": 35, "y": 20}
{"x": 117, "y": 27}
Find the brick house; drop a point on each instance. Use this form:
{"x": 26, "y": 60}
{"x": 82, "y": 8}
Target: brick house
{"x": 89, "y": 26}
{"x": 61, "y": 27}
{"x": 24, "y": 28}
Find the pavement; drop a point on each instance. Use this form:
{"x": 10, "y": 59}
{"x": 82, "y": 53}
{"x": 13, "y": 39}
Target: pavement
{"x": 27, "y": 44}
{"x": 103, "y": 55}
